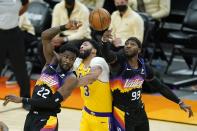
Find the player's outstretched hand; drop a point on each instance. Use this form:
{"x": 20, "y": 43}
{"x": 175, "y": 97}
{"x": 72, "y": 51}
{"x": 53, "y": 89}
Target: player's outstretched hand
{"x": 186, "y": 108}
{"x": 12, "y": 98}
{"x": 73, "y": 25}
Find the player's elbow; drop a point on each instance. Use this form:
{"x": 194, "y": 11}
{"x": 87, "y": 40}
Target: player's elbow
{"x": 44, "y": 35}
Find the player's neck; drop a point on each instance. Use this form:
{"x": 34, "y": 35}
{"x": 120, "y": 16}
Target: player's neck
{"x": 133, "y": 62}
{"x": 87, "y": 60}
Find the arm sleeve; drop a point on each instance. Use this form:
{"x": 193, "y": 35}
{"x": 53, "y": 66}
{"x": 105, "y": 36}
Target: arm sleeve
{"x": 48, "y": 103}
{"x": 164, "y": 90}
{"x": 149, "y": 73}
{"x": 108, "y": 54}
{"x": 159, "y": 86}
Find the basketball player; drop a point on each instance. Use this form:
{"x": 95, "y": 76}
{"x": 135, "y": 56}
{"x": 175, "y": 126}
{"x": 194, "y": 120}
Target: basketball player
{"x": 56, "y": 82}
{"x": 128, "y": 72}
{"x": 93, "y": 73}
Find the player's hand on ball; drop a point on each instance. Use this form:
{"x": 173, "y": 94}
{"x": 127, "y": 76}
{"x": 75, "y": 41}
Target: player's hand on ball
{"x": 117, "y": 42}
{"x": 12, "y": 98}
{"x": 186, "y": 108}
{"x": 73, "y": 25}
{"x": 107, "y": 36}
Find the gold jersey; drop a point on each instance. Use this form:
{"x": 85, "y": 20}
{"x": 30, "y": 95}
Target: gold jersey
{"x": 97, "y": 95}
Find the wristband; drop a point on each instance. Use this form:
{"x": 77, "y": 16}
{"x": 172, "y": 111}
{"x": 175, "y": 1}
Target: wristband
{"x": 25, "y": 100}
{"x": 63, "y": 28}
{"x": 180, "y": 102}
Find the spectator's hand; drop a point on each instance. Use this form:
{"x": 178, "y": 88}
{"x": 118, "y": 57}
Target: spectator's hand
{"x": 186, "y": 108}
{"x": 107, "y": 36}
{"x": 57, "y": 41}
{"x": 73, "y": 25}
{"x": 3, "y": 127}
{"x": 12, "y": 98}
{"x": 117, "y": 42}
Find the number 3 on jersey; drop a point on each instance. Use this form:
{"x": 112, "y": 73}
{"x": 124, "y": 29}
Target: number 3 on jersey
{"x": 86, "y": 88}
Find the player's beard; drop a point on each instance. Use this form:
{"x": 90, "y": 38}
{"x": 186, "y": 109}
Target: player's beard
{"x": 131, "y": 55}
{"x": 85, "y": 54}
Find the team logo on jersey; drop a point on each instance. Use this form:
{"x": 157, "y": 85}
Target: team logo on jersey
{"x": 133, "y": 83}
{"x": 49, "y": 80}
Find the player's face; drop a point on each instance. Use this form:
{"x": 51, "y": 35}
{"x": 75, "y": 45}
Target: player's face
{"x": 120, "y": 2}
{"x": 131, "y": 49}
{"x": 67, "y": 59}
{"x": 85, "y": 49}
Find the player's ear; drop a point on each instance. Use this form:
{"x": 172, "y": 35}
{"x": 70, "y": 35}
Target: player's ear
{"x": 94, "y": 51}
{"x": 139, "y": 50}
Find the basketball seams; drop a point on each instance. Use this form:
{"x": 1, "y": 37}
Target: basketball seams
{"x": 100, "y": 19}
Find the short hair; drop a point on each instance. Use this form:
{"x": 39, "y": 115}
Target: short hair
{"x": 96, "y": 45}
{"x": 136, "y": 40}
{"x": 69, "y": 47}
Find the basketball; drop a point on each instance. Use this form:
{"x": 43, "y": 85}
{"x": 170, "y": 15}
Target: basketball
{"x": 99, "y": 19}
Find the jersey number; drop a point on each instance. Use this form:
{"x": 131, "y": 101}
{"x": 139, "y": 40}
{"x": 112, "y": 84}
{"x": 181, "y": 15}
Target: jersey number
{"x": 86, "y": 88}
{"x": 43, "y": 92}
{"x": 135, "y": 95}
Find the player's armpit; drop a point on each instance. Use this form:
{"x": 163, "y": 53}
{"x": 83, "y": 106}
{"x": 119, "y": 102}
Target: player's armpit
{"x": 90, "y": 77}
{"x": 69, "y": 84}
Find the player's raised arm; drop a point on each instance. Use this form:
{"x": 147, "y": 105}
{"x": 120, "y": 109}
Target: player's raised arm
{"x": 50, "y": 33}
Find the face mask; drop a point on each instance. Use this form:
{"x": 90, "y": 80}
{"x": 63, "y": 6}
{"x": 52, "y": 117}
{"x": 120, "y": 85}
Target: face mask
{"x": 122, "y": 8}
{"x": 70, "y": 2}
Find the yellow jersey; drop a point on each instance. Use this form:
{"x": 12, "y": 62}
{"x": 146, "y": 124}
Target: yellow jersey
{"x": 96, "y": 96}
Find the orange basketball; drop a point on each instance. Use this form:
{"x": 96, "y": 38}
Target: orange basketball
{"x": 99, "y": 19}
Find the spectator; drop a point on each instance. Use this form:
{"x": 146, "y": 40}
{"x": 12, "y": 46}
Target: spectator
{"x": 92, "y": 4}
{"x": 125, "y": 23}
{"x": 68, "y": 10}
{"x": 29, "y": 37}
{"x": 12, "y": 43}
{"x": 157, "y": 9}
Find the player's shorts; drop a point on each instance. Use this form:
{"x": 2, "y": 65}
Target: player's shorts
{"x": 41, "y": 122}
{"x": 135, "y": 119}
{"x": 95, "y": 121}
{"x": 119, "y": 119}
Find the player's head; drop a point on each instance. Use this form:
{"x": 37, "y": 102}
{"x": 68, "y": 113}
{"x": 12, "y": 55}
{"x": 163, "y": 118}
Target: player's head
{"x": 121, "y": 5}
{"x": 69, "y": 4}
{"x": 89, "y": 47}
{"x": 67, "y": 55}
{"x": 132, "y": 47}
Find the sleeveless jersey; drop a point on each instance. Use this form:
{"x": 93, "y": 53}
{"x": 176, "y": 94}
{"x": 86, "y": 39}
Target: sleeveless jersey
{"x": 48, "y": 83}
